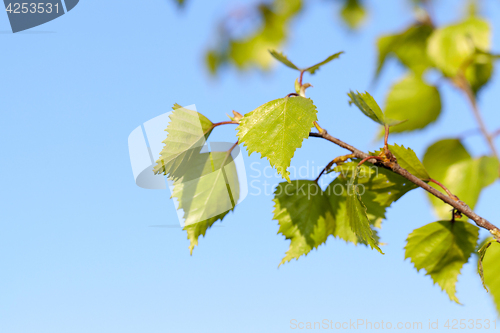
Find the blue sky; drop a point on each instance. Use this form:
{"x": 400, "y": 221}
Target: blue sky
{"x": 77, "y": 253}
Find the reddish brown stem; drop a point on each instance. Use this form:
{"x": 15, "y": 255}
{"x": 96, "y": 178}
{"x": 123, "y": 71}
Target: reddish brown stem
{"x": 224, "y": 123}
{"x": 443, "y": 187}
{"x": 300, "y": 77}
{"x": 378, "y": 158}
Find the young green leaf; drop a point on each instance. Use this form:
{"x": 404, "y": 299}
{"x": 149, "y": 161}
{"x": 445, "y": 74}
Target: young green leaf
{"x": 367, "y": 104}
{"x": 409, "y": 47}
{"x": 451, "y": 47}
{"x": 206, "y": 192}
{"x": 353, "y": 13}
{"x": 187, "y": 133}
{"x": 356, "y": 215}
{"x": 414, "y": 100}
{"x": 408, "y": 160}
{"x": 482, "y": 252}
{"x": 381, "y": 188}
{"x": 277, "y": 128}
{"x": 442, "y": 248}
{"x": 489, "y": 259}
{"x": 304, "y": 216}
{"x": 283, "y": 59}
{"x": 336, "y": 194}
{"x": 314, "y": 68}
{"x": 450, "y": 163}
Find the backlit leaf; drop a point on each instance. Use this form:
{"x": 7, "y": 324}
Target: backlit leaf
{"x": 251, "y": 50}
{"x": 356, "y": 215}
{"x": 367, "y": 104}
{"x": 277, "y": 128}
{"x": 380, "y": 188}
{"x": 206, "y": 192}
{"x": 441, "y": 249}
{"x": 450, "y": 163}
{"x": 491, "y": 270}
{"x": 187, "y": 133}
{"x": 353, "y": 13}
{"x": 408, "y": 160}
{"x": 409, "y": 47}
{"x": 314, "y": 68}
{"x": 451, "y": 47}
{"x": 283, "y": 59}
{"x": 304, "y": 216}
{"x": 414, "y": 100}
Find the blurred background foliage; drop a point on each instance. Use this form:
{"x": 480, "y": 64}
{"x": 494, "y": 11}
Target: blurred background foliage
{"x": 459, "y": 54}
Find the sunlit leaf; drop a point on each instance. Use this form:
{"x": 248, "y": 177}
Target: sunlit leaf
{"x": 187, "y": 133}
{"x": 357, "y": 216}
{"x": 304, "y": 216}
{"x": 441, "y": 249}
{"x": 409, "y": 47}
{"x": 408, "y": 160}
{"x": 379, "y": 188}
{"x": 367, "y": 104}
{"x": 251, "y": 50}
{"x": 479, "y": 72}
{"x": 451, "y": 47}
{"x": 449, "y": 162}
{"x": 283, "y": 59}
{"x": 353, "y": 13}
{"x": 490, "y": 258}
{"x": 277, "y": 128}
{"x": 414, "y": 100}
{"x": 314, "y": 68}
{"x": 206, "y": 192}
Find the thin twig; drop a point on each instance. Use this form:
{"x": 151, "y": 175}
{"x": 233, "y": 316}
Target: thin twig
{"x": 301, "y": 76}
{"x": 396, "y": 168}
{"x": 378, "y": 158}
{"x": 337, "y": 160}
{"x": 465, "y": 87}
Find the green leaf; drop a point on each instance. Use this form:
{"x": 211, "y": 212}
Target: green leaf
{"x": 443, "y": 153}
{"x": 414, "y": 100}
{"x": 409, "y": 47}
{"x": 283, "y": 59}
{"x": 483, "y": 247}
{"x": 479, "y": 72}
{"x": 314, "y": 68}
{"x": 367, "y": 104}
{"x": 490, "y": 258}
{"x": 450, "y": 163}
{"x": 408, "y": 160}
{"x": 442, "y": 248}
{"x": 187, "y": 133}
{"x": 452, "y": 47}
{"x": 337, "y": 195}
{"x": 304, "y": 216}
{"x": 353, "y": 13}
{"x": 251, "y": 50}
{"x": 356, "y": 215}
{"x": 277, "y": 128}
{"x": 206, "y": 192}
{"x": 380, "y": 188}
